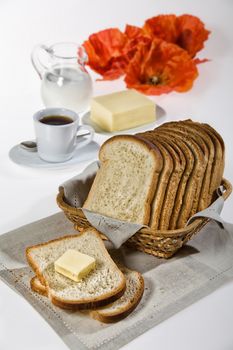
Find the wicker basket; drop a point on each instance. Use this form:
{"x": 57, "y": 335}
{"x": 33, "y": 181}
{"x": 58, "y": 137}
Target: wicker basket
{"x": 159, "y": 243}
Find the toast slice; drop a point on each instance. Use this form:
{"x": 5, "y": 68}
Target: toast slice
{"x": 120, "y": 308}
{"x": 103, "y": 285}
{"x": 197, "y": 128}
{"x": 123, "y": 306}
{"x": 219, "y": 160}
{"x": 126, "y": 182}
{"x": 164, "y": 178}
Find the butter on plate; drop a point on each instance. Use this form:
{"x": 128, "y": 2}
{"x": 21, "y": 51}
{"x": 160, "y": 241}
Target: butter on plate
{"x": 74, "y": 265}
{"x": 122, "y": 110}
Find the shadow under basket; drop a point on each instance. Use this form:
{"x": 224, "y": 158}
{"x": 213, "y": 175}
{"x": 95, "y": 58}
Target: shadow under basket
{"x": 160, "y": 243}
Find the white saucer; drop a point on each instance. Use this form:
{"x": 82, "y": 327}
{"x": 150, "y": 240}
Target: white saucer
{"x": 86, "y": 120}
{"x": 31, "y": 159}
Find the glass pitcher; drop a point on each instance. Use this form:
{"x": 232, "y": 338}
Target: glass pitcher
{"x": 65, "y": 80}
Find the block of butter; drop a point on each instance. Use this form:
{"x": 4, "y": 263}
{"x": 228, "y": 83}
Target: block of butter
{"x": 74, "y": 265}
{"x": 122, "y": 110}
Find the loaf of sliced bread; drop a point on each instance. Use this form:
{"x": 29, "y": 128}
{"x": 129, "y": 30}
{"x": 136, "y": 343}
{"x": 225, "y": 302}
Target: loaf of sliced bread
{"x": 120, "y": 308}
{"x": 103, "y": 285}
{"x": 127, "y": 179}
{"x": 160, "y": 177}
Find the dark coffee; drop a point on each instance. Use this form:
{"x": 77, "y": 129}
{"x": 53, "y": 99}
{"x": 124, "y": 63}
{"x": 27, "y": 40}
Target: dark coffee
{"x": 56, "y": 120}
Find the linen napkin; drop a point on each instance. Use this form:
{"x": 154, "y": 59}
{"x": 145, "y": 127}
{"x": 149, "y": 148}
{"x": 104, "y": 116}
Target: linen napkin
{"x": 195, "y": 271}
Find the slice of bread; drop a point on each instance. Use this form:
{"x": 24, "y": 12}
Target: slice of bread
{"x": 219, "y": 160}
{"x": 126, "y": 182}
{"x": 164, "y": 177}
{"x": 198, "y": 129}
{"x": 120, "y": 308}
{"x": 103, "y": 285}
{"x": 174, "y": 181}
{"x": 184, "y": 192}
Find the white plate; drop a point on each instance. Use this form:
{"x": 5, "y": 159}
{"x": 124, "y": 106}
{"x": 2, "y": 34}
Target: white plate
{"x": 31, "y": 159}
{"x": 86, "y": 120}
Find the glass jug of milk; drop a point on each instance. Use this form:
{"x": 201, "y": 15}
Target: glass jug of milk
{"x": 65, "y": 80}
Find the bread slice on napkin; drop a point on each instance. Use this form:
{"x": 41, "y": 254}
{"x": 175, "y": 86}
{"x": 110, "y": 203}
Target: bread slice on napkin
{"x": 125, "y": 184}
{"x": 103, "y": 285}
{"x": 120, "y": 308}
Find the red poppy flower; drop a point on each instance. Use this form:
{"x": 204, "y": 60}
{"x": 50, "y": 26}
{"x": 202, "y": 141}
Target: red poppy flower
{"x": 135, "y": 36}
{"x": 104, "y": 50}
{"x": 186, "y": 31}
{"x": 160, "y": 67}
{"x": 163, "y": 27}
{"x": 192, "y": 34}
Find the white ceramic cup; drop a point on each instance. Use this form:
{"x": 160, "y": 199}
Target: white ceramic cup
{"x": 57, "y": 143}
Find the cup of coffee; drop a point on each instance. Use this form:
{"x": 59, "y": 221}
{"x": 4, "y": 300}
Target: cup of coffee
{"x": 56, "y": 134}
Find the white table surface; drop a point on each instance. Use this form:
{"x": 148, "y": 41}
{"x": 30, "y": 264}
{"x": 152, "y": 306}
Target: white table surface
{"x": 29, "y": 194}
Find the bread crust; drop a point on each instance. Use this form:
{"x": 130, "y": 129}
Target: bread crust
{"x": 37, "y": 286}
{"x": 125, "y": 311}
{"x": 175, "y": 178}
{"x": 99, "y": 314}
{"x": 104, "y": 299}
{"x": 188, "y": 131}
{"x": 164, "y": 178}
{"x": 181, "y": 192}
{"x": 197, "y": 175}
{"x": 206, "y": 188}
{"x": 219, "y": 160}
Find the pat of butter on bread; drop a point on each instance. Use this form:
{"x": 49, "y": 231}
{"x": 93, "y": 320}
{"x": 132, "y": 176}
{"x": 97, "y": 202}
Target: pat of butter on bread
{"x": 74, "y": 265}
{"x": 122, "y": 110}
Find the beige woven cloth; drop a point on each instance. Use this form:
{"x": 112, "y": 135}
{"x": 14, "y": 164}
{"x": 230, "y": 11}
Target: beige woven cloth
{"x": 170, "y": 285}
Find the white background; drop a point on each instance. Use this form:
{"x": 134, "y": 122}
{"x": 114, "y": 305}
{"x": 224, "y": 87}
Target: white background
{"x": 28, "y": 194}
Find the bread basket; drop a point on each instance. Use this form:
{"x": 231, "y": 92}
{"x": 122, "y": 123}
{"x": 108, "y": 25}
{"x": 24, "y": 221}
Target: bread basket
{"x": 160, "y": 243}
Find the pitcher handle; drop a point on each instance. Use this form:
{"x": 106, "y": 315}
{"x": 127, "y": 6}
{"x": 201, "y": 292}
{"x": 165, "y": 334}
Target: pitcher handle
{"x": 39, "y": 66}
{"x": 82, "y": 56}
